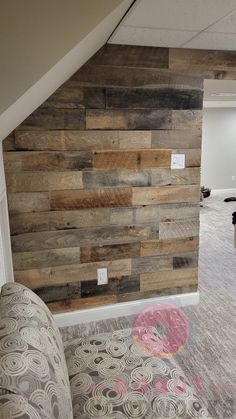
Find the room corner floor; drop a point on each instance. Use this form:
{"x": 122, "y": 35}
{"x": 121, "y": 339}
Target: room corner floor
{"x": 209, "y": 358}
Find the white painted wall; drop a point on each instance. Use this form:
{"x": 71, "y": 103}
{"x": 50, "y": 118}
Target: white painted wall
{"x": 219, "y": 148}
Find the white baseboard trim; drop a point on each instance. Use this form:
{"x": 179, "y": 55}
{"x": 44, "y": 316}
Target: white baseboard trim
{"x": 223, "y": 191}
{"x": 122, "y": 309}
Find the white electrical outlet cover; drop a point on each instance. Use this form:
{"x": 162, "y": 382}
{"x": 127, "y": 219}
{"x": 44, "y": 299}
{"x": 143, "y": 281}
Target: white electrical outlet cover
{"x": 177, "y": 161}
{"x": 102, "y": 277}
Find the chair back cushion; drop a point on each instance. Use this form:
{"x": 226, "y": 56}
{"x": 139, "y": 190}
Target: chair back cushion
{"x": 34, "y": 381}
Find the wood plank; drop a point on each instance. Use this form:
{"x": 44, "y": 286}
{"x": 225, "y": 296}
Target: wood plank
{"x": 135, "y": 159}
{"x": 92, "y": 289}
{"x": 81, "y": 303}
{"x": 201, "y": 59}
{"x": 47, "y": 161}
{"x": 59, "y": 292}
{"x": 82, "y": 237}
{"x": 177, "y": 139}
{"x": 132, "y": 119}
{"x": 115, "y": 76}
{"x": 117, "y": 251}
{"x": 151, "y": 264}
{"x": 132, "y": 296}
{"x": 131, "y": 56}
{"x": 186, "y": 119}
{"x": 28, "y": 202}
{"x": 149, "y": 215}
{"x": 168, "y": 279}
{"x": 8, "y": 143}
{"x": 178, "y": 211}
{"x": 72, "y": 273}
{"x": 170, "y": 97}
{"x": 91, "y": 198}
{"x": 115, "y": 177}
{"x": 51, "y": 118}
{"x": 166, "y": 194}
{"x": 48, "y": 181}
{"x": 169, "y": 246}
{"x": 62, "y": 220}
{"x": 179, "y": 229}
{"x": 45, "y": 258}
{"x": 190, "y": 176}
{"x": 70, "y": 95}
{"x": 60, "y": 140}
{"x": 187, "y": 260}
{"x": 192, "y": 156}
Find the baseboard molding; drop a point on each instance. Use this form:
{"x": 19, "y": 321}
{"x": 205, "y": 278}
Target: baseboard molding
{"x": 122, "y": 309}
{"x": 223, "y": 191}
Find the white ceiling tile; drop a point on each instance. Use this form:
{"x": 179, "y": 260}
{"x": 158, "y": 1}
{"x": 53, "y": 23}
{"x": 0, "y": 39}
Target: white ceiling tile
{"x": 226, "y": 25}
{"x": 192, "y": 15}
{"x": 150, "y": 37}
{"x": 212, "y": 40}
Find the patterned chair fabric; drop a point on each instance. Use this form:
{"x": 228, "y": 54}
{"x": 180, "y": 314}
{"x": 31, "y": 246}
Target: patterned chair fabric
{"x": 112, "y": 378}
{"x": 34, "y": 381}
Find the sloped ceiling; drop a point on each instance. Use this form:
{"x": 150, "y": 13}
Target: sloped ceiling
{"x": 201, "y": 24}
{"x": 42, "y": 43}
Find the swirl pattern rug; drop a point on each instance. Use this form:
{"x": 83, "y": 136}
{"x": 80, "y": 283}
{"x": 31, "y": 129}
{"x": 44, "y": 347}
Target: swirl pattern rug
{"x": 34, "y": 381}
{"x": 111, "y": 378}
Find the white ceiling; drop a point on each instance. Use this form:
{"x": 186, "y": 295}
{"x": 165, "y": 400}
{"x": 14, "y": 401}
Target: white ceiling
{"x": 204, "y": 24}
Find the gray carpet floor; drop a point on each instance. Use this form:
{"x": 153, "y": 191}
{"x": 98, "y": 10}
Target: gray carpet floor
{"x": 209, "y": 358}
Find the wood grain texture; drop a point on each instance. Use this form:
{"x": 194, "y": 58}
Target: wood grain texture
{"x": 169, "y": 246}
{"x": 158, "y": 98}
{"x": 168, "y": 279}
{"x": 177, "y": 139}
{"x": 71, "y": 140}
{"x": 70, "y": 95}
{"x": 115, "y": 76}
{"x": 45, "y": 258}
{"x": 82, "y": 237}
{"x": 28, "y": 202}
{"x": 113, "y": 252}
{"x": 167, "y": 194}
{"x": 57, "y": 293}
{"x": 72, "y": 273}
{"x": 179, "y": 229}
{"x": 38, "y": 181}
{"x": 26, "y": 161}
{"x": 51, "y": 118}
{"x": 91, "y": 198}
{"x": 135, "y": 159}
{"x": 131, "y": 56}
{"x": 66, "y": 305}
{"x": 202, "y": 59}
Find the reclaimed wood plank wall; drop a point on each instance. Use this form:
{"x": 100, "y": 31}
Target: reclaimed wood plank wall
{"x": 90, "y": 184}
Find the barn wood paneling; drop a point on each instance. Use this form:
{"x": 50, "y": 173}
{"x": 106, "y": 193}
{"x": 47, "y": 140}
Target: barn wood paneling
{"x": 90, "y": 183}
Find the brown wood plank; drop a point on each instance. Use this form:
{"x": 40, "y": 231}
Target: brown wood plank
{"x": 177, "y": 139}
{"x": 91, "y": 198}
{"x": 131, "y": 119}
{"x": 8, "y": 143}
{"x": 72, "y": 273}
{"x": 178, "y": 211}
{"x": 151, "y": 264}
{"x": 38, "y": 181}
{"x": 190, "y": 176}
{"x": 81, "y": 303}
{"x": 115, "y": 76}
{"x": 135, "y": 159}
{"x": 70, "y": 95}
{"x": 168, "y": 279}
{"x": 169, "y": 97}
{"x": 133, "y": 296}
{"x": 169, "y": 246}
{"x": 187, "y": 260}
{"x": 131, "y": 56}
{"x": 166, "y": 194}
{"x": 47, "y": 161}
{"x": 201, "y": 59}
{"x": 28, "y": 202}
{"x": 117, "y": 251}
{"x": 179, "y": 229}
{"x": 82, "y": 237}
{"x": 186, "y": 119}
{"x": 45, "y": 258}
{"x": 59, "y": 293}
{"x": 61, "y": 220}
{"x": 71, "y": 140}
{"x": 51, "y": 118}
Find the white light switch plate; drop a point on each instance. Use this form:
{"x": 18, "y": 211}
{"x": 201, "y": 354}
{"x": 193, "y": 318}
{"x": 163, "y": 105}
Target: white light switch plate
{"x": 102, "y": 277}
{"x": 177, "y": 161}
